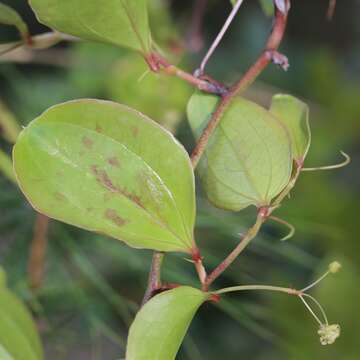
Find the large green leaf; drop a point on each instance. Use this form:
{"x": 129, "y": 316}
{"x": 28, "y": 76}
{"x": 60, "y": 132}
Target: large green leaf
{"x": 18, "y": 334}
{"x": 9, "y": 16}
{"x": 107, "y": 168}
{"x": 119, "y": 22}
{"x": 248, "y": 160}
{"x": 160, "y": 326}
{"x": 295, "y": 115}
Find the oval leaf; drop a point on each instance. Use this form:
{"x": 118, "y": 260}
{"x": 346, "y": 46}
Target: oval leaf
{"x": 119, "y": 22}
{"x": 160, "y": 326}
{"x": 248, "y": 159}
{"x": 107, "y": 168}
{"x": 8, "y": 16}
{"x": 18, "y": 334}
{"x": 295, "y": 115}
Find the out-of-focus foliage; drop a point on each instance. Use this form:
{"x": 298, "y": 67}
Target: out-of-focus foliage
{"x": 160, "y": 97}
{"x": 93, "y": 287}
{"x": 19, "y": 338}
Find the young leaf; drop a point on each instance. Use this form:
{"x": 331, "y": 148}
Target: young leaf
{"x": 160, "y": 326}
{"x": 18, "y": 334}
{"x": 107, "y": 168}
{"x": 248, "y": 160}
{"x": 295, "y": 115}
{"x": 119, "y": 22}
{"x": 8, "y": 16}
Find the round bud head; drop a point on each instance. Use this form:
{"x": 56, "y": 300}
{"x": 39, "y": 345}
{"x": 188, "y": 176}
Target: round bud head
{"x": 334, "y": 267}
{"x": 329, "y": 333}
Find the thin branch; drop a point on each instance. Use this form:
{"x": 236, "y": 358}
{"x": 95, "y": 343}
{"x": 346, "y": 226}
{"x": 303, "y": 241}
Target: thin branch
{"x": 269, "y": 54}
{"x": 38, "y": 248}
{"x": 157, "y": 63}
{"x": 39, "y": 42}
{"x": 220, "y": 36}
{"x": 154, "y": 281}
{"x": 252, "y": 232}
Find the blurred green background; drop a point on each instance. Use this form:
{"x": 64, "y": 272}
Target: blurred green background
{"x": 93, "y": 285}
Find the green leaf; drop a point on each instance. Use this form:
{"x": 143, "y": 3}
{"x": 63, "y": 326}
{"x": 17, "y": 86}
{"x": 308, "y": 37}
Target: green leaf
{"x": 119, "y": 22}
{"x": 160, "y": 326}
{"x": 295, "y": 115}
{"x": 107, "y": 168}
{"x": 248, "y": 159}
{"x": 18, "y": 334}
{"x": 8, "y": 16}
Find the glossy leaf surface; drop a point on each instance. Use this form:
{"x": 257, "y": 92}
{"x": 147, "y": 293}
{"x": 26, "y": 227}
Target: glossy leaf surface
{"x": 107, "y": 168}
{"x": 248, "y": 160}
{"x": 18, "y": 335}
{"x": 295, "y": 115}
{"x": 8, "y": 16}
{"x": 160, "y": 326}
{"x": 119, "y": 22}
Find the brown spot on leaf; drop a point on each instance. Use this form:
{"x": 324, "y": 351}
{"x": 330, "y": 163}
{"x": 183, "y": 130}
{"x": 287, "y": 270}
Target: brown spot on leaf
{"x": 104, "y": 180}
{"x": 113, "y": 161}
{"x": 113, "y": 216}
{"x": 59, "y": 196}
{"x": 87, "y": 142}
{"x": 98, "y": 128}
{"x": 135, "y": 131}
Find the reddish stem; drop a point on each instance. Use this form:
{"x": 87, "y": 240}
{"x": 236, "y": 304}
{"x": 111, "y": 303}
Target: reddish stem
{"x": 249, "y": 77}
{"x": 158, "y": 64}
{"x": 38, "y": 248}
{"x": 252, "y": 232}
{"x": 154, "y": 281}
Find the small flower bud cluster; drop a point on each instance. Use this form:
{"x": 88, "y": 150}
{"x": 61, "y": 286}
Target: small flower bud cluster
{"x": 329, "y": 333}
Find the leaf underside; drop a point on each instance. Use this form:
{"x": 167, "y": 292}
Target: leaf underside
{"x": 248, "y": 160}
{"x": 160, "y": 326}
{"x": 119, "y": 22}
{"x": 295, "y": 116}
{"x": 106, "y": 168}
